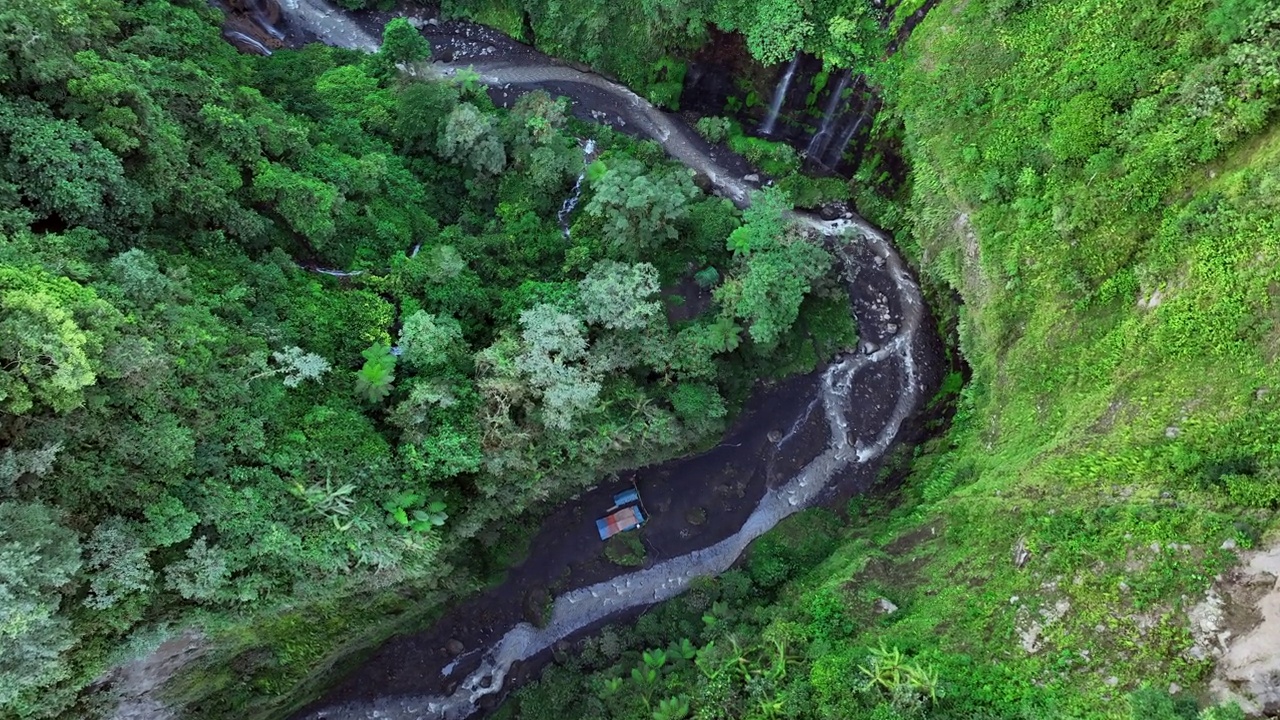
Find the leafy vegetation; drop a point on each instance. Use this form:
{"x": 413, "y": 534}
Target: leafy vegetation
{"x": 199, "y": 430}
{"x": 1095, "y": 185}
{"x": 640, "y": 43}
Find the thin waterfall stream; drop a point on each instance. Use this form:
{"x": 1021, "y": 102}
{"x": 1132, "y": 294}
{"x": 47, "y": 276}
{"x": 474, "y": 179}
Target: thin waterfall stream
{"x": 262, "y": 21}
{"x": 819, "y": 141}
{"x": 571, "y": 202}
{"x": 779, "y": 96}
{"x": 892, "y": 318}
{"x": 252, "y": 42}
{"x": 837, "y": 150}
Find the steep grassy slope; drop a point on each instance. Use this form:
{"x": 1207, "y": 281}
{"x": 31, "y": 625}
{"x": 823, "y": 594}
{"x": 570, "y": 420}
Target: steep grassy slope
{"x": 1098, "y": 182}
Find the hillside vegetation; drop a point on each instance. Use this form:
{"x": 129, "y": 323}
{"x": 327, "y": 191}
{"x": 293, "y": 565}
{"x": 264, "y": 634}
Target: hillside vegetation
{"x": 1097, "y": 185}
{"x": 197, "y": 429}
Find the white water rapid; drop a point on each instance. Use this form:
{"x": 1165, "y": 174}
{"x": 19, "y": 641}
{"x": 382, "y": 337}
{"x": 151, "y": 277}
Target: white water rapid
{"x": 580, "y": 608}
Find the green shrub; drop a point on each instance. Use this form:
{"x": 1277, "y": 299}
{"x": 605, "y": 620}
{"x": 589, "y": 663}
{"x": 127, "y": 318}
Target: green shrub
{"x": 809, "y": 192}
{"x": 625, "y": 549}
{"x": 1252, "y": 490}
{"x": 774, "y": 158}
{"x": 716, "y": 129}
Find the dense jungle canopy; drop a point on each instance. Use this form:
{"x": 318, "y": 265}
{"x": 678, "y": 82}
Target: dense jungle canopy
{"x": 295, "y": 351}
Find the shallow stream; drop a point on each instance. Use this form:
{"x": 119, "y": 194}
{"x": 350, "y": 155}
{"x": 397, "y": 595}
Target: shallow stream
{"x": 887, "y": 305}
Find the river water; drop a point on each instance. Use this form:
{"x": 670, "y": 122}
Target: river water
{"x": 887, "y": 305}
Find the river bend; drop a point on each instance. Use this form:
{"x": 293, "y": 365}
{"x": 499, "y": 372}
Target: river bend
{"x": 889, "y": 321}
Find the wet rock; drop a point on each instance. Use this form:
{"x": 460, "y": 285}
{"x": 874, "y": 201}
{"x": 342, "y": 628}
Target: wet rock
{"x": 774, "y": 436}
{"x": 885, "y": 606}
{"x": 455, "y": 646}
{"x": 753, "y": 178}
{"x": 139, "y": 685}
{"x": 1029, "y": 629}
{"x": 1020, "y": 553}
{"x": 1206, "y": 619}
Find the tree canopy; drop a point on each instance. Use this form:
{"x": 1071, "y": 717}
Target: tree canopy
{"x": 280, "y": 332}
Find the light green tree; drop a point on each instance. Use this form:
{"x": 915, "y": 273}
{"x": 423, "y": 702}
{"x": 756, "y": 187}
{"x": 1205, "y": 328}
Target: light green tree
{"x": 763, "y": 223}
{"x": 297, "y": 365}
{"x": 640, "y": 209}
{"x": 169, "y": 522}
{"x": 402, "y": 43}
{"x": 46, "y": 353}
{"x": 57, "y": 166}
{"x": 768, "y": 294}
{"x": 618, "y": 296}
{"x": 202, "y": 574}
{"x": 470, "y": 138}
{"x": 352, "y": 93}
{"x": 38, "y": 556}
{"x": 427, "y": 340}
{"x": 138, "y": 275}
{"x": 553, "y": 360}
{"x": 857, "y": 39}
{"x": 307, "y": 204}
{"x": 16, "y": 463}
{"x": 117, "y": 563}
{"x": 375, "y": 377}
{"x": 775, "y": 274}
{"x": 779, "y": 31}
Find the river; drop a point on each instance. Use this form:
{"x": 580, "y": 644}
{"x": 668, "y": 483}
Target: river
{"x": 865, "y": 398}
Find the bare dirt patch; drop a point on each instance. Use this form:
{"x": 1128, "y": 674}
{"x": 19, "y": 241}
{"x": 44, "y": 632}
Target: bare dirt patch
{"x": 1248, "y": 670}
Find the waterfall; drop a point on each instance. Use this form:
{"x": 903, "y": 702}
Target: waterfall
{"x": 820, "y": 139}
{"x": 837, "y": 150}
{"x": 571, "y": 202}
{"x": 252, "y": 43}
{"x": 851, "y": 441}
{"x": 779, "y": 94}
{"x": 265, "y": 23}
